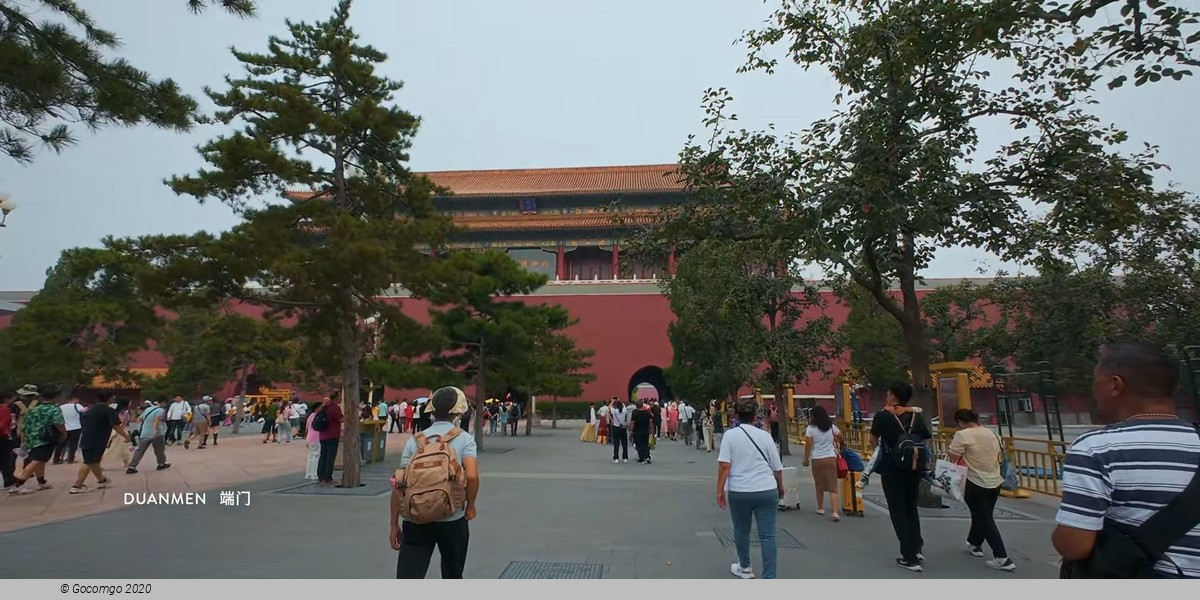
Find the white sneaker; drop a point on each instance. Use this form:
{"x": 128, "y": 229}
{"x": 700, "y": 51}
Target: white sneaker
{"x": 23, "y": 490}
{"x": 81, "y": 489}
{"x": 625, "y": 460}
{"x": 615, "y": 461}
{"x": 1002, "y": 564}
{"x": 45, "y": 486}
{"x": 973, "y": 550}
{"x": 737, "y": 571}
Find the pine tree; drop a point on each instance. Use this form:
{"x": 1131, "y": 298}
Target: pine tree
{"x": 313, "y": 115}
{"x": 54, "y": 74}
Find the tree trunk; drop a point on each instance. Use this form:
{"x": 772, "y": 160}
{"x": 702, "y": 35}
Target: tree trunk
{"x": 784, "y": 443}
{"x": 241, "y": 402}
{"x": 554, "y": 414}
{"x": 913, "y": 327}
{"x": 479, "y": 397}
{"x": 529, "y": 417}
{"x": 351, "y": 455}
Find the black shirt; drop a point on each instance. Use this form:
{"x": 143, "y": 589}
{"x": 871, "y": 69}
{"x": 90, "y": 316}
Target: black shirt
{"x": 98, "y": 423}
{"x": 656, "y": 412}
{"x": 640, "y": 421}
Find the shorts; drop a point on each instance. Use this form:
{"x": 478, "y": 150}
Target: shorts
{"x": 91, "y": 456}
{"x": 200, "y": 426}
{"x": 215, "y": 421}
{"x": 268, "y": 427}
{"x": 42, "y": 453}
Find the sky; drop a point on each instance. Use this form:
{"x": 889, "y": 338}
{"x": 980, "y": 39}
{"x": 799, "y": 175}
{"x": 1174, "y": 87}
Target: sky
{"x": 497, "y": 83}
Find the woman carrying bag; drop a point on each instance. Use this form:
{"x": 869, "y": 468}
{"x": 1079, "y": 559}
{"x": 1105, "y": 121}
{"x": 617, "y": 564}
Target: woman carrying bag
{"x": 979, "y": 448}
{"x": 822, "y": 443}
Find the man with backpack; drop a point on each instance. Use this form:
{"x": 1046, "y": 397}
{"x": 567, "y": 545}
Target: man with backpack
{"x": 42, "y": 429}
{"x": 434, "y": 492}
{"x": 903, "y": 441}
{"x": 1131, "y": 491}
{"x": 328, "y": 423}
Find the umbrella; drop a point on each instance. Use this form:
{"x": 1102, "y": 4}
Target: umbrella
{"x": 421, "y": 400}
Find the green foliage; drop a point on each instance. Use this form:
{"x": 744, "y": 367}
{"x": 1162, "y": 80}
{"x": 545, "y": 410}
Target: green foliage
{"x": 86, "y": 321}
{"x": 207, "y": 348}
{"x": 56, "y": 73}
{"x": 311, "y": 113}
{"x": 711, "y": 335}
{"x": 741, "y": 321}
{"x": 874, "y": 340}
{"x": 899, "y": 170}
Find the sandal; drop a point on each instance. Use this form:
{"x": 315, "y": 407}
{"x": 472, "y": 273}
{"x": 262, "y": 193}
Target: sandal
{"x": 821, "y": 511}
{"x": 836, "y": 517}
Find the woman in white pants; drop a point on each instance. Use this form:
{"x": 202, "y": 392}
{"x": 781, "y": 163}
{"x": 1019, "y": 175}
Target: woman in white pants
{"x": 313, "y": 439}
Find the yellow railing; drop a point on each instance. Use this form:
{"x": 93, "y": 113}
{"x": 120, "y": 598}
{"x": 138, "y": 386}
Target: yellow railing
{"x": 1038, "y": 462}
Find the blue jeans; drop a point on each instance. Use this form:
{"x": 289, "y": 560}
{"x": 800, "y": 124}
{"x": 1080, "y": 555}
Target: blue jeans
{"x": 762, "y": 506}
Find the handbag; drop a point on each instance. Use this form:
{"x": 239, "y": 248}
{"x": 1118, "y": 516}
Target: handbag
{"x": 952, "y": 477}
{"x": 1123, "y": 552}
{"x": 843, "y": 469}
{"x": 653, "y": 442}
{"x": 1011, "y": 481}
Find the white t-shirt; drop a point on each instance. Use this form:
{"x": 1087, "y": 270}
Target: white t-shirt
{"x": 685, "y": 413}
{"x": 748, "y": 471}
{"x": 822, "y": 441}
{"x": 176, "y": 411}
{"x": 71, "y": 413}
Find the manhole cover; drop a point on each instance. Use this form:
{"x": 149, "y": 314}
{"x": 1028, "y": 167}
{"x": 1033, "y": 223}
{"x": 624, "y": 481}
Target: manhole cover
{"x": 953, "y": 510}
{"x": 782, "y": 537}
{"x": 370, "y": 487}
{"x": 549, "y": 570}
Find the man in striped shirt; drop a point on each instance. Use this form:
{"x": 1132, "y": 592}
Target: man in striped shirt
{"x": 1135, "y": 467}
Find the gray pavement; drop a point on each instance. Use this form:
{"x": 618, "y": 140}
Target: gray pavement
{"x": 544, "y": 499}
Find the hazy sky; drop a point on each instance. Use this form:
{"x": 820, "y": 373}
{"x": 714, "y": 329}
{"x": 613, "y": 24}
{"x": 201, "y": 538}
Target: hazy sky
{"x": 498, "y": 84}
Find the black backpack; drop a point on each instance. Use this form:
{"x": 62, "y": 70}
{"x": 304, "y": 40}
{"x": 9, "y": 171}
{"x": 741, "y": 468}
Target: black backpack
{"x": 320, "y": 420}
{"x": 910, "y": 453}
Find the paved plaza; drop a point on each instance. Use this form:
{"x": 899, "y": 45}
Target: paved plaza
{"x": 549, "y": 506}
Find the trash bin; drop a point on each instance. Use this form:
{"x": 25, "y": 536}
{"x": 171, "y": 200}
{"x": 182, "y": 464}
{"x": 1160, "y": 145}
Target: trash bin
{"x": 372, "y": 441}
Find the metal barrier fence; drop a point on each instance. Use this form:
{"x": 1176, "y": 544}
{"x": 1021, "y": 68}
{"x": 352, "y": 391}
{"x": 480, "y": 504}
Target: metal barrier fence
{"x": 1038, "y": 461}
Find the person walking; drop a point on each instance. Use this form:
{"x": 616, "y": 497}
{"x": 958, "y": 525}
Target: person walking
{"x": 656, "y": 415}
{"x": 329, "y": 427}
{"x": 393, "y": 419}
{"x": 504, "y": 417}
{"x": 152, "y": 433}
{"x": 641, "y": 427}
{"x": 618, "y": 431}
{"x": 1136, "y": 477}
{"x": 283, "y": 423}
{"x": 773, "y": 418}
{"x": 602, "y": 422}
{"x": 979, "y": 449}
{"x": 903, "y": 463}
{"x": 709, "y": 428}
{"x": 42, "y": 429}
{"x": 8, "y": 442}
{"x": 313, "y": 441}
{"x": 201, "y": 418}
{"x": 750, "y": 485}
{"x": 821, "y": 442}
{"x": 98, "y": 422}
{"x": 514, "y": 419}
{"x": 673, "y": 421}
{"x": 216, "y": 411}
{"x": 687, "y": 416}
{"x": 300, "y": 420}
{"x": 175, "y": 416}
{"x": 71, "y": 418}
{"x": 422, "y": 530}
{"x": 409, "y": 409}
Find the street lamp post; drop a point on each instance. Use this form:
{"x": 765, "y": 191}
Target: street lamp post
{"x": 6, "y": 206}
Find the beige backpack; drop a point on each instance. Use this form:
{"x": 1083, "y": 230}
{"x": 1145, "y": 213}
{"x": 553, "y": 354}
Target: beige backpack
{"x": 433, "y": 485}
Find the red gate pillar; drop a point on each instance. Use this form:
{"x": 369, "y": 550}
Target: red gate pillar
{"x": 616, "y": 262}
{"x": 671, "y": 262}
{"x": 560, "y": 269}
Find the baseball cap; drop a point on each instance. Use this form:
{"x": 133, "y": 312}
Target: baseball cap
{"x": 28, "y": 390}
